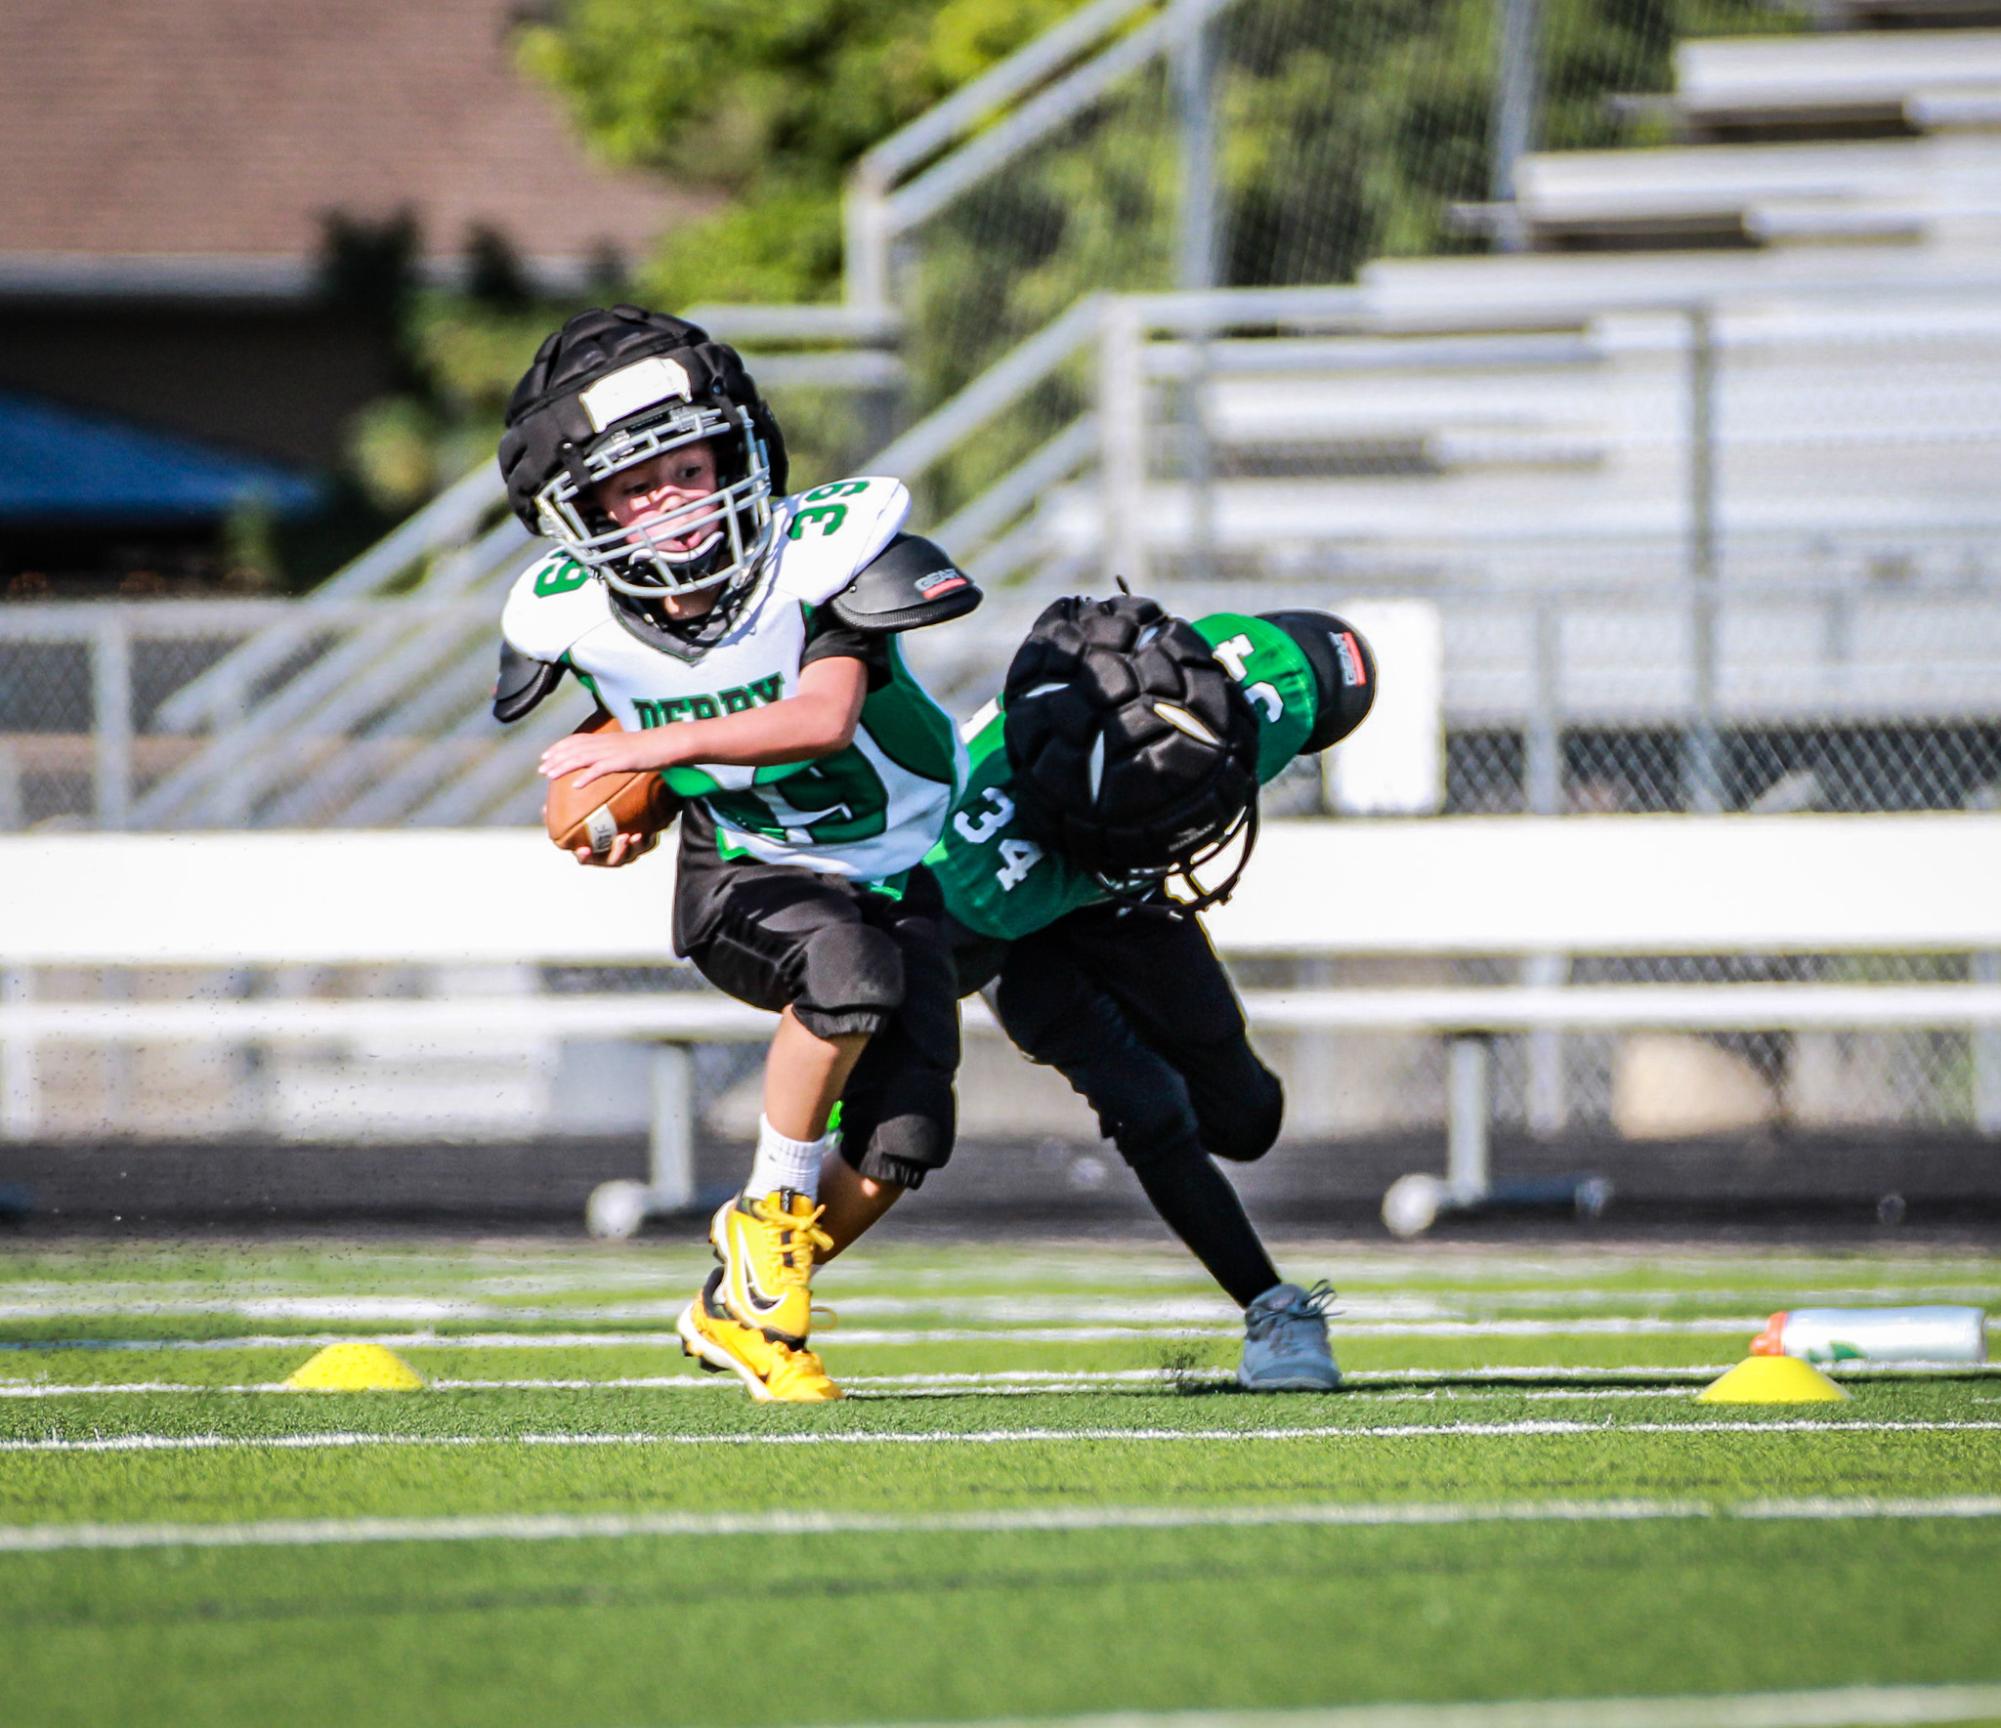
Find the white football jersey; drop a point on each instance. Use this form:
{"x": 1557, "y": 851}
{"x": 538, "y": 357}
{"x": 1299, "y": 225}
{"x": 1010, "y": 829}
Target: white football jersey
{"x": 870, "y": 810}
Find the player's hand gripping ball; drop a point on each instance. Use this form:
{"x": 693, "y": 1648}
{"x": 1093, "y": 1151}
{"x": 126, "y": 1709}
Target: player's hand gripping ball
{"x": 613, "y": 819}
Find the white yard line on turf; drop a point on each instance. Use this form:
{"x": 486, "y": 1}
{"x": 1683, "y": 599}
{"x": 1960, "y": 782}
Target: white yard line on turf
{"x": 1060, "y": 1310}
{"x": 971, "y": 1310}
{"x": 1461, "y": 1307}
{"x": 1003, "y": 1385}
{"x": 1737, "y": 1326}
{"x": 1440, "y": 1267}
{"x": 1055, "y": 1307}
{"x": 566, "y": 1526}
{"x": 1829, "y": 1707}
{"x": 891, "y": 1293}
{"x": 984, "y": 1437}
{"x": 1789, "y": 1296}
{"x": 1507, "y": 1381}
{"x": 1533, "y": 1372}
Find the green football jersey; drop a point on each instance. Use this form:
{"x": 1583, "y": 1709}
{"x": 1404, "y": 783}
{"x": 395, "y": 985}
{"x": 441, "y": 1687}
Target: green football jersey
{"x": 999, "y": 883}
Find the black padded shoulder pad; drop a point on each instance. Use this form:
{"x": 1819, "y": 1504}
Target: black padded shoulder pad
{"x": 910, "y": 583}
{"x": 522, "y": 683}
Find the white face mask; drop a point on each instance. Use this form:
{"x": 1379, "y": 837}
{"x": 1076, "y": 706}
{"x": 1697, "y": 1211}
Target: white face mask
{"x": 717, "y": 537}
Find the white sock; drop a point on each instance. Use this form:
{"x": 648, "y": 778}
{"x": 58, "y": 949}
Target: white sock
{"x": 782, "y": 1163}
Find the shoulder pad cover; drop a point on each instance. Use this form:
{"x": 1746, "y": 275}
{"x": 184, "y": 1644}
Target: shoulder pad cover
{"x": 1344, "y": 671}
{"x": 1274, "y": 676}
{"x": 909, "y": 584}
{"x": 552, "y": 603}
{"x": 827, "y": 535}
{"x": 522, "y": 683}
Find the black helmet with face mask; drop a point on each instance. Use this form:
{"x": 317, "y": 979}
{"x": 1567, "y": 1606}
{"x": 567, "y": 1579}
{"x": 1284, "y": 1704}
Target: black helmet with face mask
{"x": 618, "y": 387}
{"x": 1133, "y": 752}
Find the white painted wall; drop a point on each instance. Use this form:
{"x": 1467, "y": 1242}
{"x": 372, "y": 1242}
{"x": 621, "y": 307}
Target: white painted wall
{"x": 1631, "y": 884}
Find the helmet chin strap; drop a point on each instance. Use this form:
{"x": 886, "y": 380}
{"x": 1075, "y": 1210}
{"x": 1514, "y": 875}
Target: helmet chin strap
{"x": 575, "y": 467}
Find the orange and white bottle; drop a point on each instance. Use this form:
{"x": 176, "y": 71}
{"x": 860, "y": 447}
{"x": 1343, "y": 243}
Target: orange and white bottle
{"x": 1930, "y": 1334}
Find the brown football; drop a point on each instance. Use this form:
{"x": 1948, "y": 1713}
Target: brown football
{"x": 595, "y": 815}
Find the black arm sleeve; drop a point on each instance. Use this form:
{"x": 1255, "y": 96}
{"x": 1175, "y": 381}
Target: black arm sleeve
{"x": 837, "y": 642}
{"x": 909, "y": 583}
{"x": 522, "y": 683}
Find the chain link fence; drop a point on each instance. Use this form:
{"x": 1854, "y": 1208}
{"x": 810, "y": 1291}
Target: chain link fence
{"x": 1633, "y": 1086}
{"x": 1828, "y": 698}
{"x": 1253, "y": 143}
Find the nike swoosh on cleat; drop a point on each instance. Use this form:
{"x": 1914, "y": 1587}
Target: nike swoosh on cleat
{"x": 747, "y": 1284}
{"x": 738, "y": 1266}
{"x": 761, "y": 1306}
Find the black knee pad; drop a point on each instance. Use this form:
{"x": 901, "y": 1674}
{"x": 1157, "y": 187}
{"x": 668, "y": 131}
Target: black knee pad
{"x": 912, "y": 1136}
{"x": 851, "y": 980}
{"x": 1153, "y": 1124}
{"x": 899, "y": 1116}
{"x": 1249, "y": 1128}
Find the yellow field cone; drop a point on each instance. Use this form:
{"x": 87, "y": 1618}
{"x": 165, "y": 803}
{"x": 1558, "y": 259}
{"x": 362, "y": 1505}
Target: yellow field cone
{"x": 355, "y": 1368}
{"x": 1772, "y": 1380}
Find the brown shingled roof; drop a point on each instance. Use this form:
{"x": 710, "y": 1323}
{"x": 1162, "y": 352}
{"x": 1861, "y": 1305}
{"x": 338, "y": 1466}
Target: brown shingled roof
{"x": 228, "y": 128}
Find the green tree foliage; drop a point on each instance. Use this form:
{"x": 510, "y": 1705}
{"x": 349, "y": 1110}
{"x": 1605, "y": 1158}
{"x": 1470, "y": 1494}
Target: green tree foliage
{"x": 769, "y": 101}
{"x": 1345, "y": 130}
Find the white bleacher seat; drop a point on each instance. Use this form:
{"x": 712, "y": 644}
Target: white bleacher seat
{"x": 1836, "y": 72}
{"x": 1634, "y": 188}
{"x": 1509, "y": 887}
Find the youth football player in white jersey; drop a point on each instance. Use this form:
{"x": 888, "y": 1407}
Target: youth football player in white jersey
{"x": 746, "y": 643}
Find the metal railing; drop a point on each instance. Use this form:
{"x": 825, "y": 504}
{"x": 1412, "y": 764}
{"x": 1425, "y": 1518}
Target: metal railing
{"x": 1703, "y": 521}
{"x": 959, "y": 142}
{"x": 1571, "y": 696}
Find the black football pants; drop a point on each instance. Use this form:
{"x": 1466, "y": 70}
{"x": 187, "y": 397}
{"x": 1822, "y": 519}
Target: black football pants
{"x": 1134, "y": 1009}
{"x": 844, "y": 958}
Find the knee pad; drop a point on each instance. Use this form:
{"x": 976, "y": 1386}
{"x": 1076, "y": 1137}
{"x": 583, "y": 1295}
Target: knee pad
{"x": 851, "y": 980}
{"x": 900, "y": 1125}
{"x": 1249, "y": 1128}
{"x": 899, "y": 1116}
{"x": 913, "y": 1139}
{"x": 1153, "y": 1125}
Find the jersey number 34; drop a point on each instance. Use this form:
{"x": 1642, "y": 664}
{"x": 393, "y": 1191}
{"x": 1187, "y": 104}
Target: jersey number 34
{"x": 1018, "y": 857}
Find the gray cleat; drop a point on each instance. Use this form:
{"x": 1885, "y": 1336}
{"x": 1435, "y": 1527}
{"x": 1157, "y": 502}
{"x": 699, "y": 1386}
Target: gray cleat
{"x": 1285, "y": 1341}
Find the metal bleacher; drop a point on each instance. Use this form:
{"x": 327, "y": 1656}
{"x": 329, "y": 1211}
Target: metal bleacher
{"x": 1478, "y": 430}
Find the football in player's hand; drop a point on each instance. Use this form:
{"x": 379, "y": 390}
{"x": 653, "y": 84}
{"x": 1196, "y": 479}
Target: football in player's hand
{"x": 595, "y": 815}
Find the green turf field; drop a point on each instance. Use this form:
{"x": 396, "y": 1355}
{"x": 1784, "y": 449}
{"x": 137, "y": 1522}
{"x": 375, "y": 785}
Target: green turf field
{"x": 1041, "y": 1499}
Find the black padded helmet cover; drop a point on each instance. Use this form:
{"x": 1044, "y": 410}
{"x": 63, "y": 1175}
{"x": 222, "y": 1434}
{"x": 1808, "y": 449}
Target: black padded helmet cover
{"x": 1132, "y": 750}
{"x": 547, "y": 427}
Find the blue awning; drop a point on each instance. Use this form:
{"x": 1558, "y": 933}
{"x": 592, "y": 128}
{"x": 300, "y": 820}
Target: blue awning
{"x": 60, "y": 464}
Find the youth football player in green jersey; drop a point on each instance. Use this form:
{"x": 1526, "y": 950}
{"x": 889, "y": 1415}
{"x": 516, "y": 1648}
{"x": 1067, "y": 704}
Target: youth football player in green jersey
{"x": 1000, "y": 884}
{"x": 1098, "y": 972}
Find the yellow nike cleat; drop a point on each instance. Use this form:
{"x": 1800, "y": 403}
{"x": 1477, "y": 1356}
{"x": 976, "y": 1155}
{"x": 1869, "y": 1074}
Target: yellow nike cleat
{"x": 775, "y": 1373}
{"x": 767, "y": 1246}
